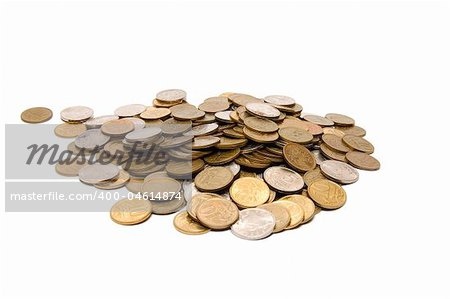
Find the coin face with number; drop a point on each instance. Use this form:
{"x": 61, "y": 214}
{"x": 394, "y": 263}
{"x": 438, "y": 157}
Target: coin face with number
{"x": 327, "y": 194}
{"x": 131, "y": 211}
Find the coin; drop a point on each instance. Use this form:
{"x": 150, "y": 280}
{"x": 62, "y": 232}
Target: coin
{"x": 213, "y": 179}
{"x": 340, "y": 119}
{"x": 222, "y": 157}
{"x": 254, "y": 224}
{"x": 358, "y": 144}
{"x": 249, "y": 192}
{"x": 97, "y": 122}
{"x": 131, "y": 211}
{"x": 188, "y": 114}
{"x": 327, "y": 194}
{"x": 152, "y": 113}
{"x": 262, "y": 109}
{"x": 143, "y": 135}
{"x": 279, "y": 100}
{"x": 231, "y": 143}
{"x": 67, "y": 130}
{"x": 260, "y": 136}
{"x": 171, "y": 95}
{"x": 319, "y": 157}
{"x": 362, "y": 161}
{"x": 299, "y": 157}
{"x": 333, "y": 131}
{"x": 262, "y": 125}
{"x": 318, "y": 120}
{"x": 290, "y": 121}
{"x": 197, "y": 199}
{"x": 240, "y": 99}
{"x": 295, "y": 210}
{"x": 96, "y": 173}
{"x": 335, "y": 143}
{"x": 71, "y": 168}
{"x": 204, "y": 129}
{"x": 117, "y": 128}
{"x": 76, "y": 114}
{"x": 161, "y": 189}
{"x": 281, "y": 214}
{"x": 115, "y": 183}
{"x": 223, "y": 116}
{"x": 165, "y": 207}
{"x": 306, "y": 204}
{"x": 36, "y": 115}
{"x": 215, "y": 104}
{"x": 217, "y": 213}
{"x": 203, "y": 142}
{"x": 313, "y": 175}
{"x": 91, "y": 139}
{"x": 283, "y": 179}
{"x": 353, "y": 130}
{"x": 295, "y": 134}
{"x": 137, "y": 122}
{"x": 172, "y": 126}
{"x": 339, "y": 172}
{"x": 134, "y": 185}
{"x": 331, "y": 154}
{"x": 187, "y": 225}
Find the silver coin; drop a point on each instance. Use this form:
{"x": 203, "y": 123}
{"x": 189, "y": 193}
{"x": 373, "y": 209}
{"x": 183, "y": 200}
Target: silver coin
{"x": 76, "y": 113}
{"x": 171, "y": 95}
{"x": 91, "y": 139}
{"x": 97, "y": 122}
{"x": 137, "y": 122}
{"x": 202, "y": 130}
{"x": 283, "y": 179}
{"x": 130, "y": 110}
{"x": 318, "y": 120}
{"x": 224, "y": 116}
{"x": 164, "y": 207}
{"x": 339, "y": 171}
{"x": 319, "y": 157}
{"x": 143, "y": 134}
{"x": 262, "y": 109}
{"x": 234, "y": 167}
{"x": 254, "y": 224}
{"x": 279, "y": 100}
{"x": 96, "y": 173}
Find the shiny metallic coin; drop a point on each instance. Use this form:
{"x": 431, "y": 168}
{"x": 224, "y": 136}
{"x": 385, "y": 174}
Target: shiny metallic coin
{"x": 296, "y": 212}
{"x": 299, "y": 157}
{"x": 279, "y": 100}
{"x": 130, "y": 110}
{"x": 137, "y": 122}
{"x": 91, "y": 139}
{"x": 318, "y": 120}
{"x": 327, "y": 194}
{"x": 152, "y": 113}
{"x": 117, "y": 128}
{"x": 204, "y": 129}
{"x": 76, "y": 114}
{"x": 172, "y": 126}
{"x": 67, "y": 130}
{"x": 217, "y": 213}
{"x": 262, "y": 109}
{"x": 283, "y": 179}
{"x": 254, "y": 224}
{"x": 143, "y": 134}
{"x": 213, "y": 179}
{"x": 97, "y": 122}
{"x": 203, "y": 142}
{"x": 223, "y": 116}
{"x": 97, "y": 173}
{"x": 295, "y": 134}
{"x": 281, "y": 214}
{"x": 339, "y": 172}
{"x": 197, "y": 199}
{"x": 340, "y": 119}
{"x": 171, "y": 95}
{"x": 187, "y": 225}
{"x": 36, "y": 115}
{"x": 362, "y": 160}
{"x": 262, "y": 125}
{"x": 131, "y": 211}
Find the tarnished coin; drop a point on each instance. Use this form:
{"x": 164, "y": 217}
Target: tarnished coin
{"x": 217, "y": 213}
{"x": 249, "y": 192}
{"x": 152, "y": 113}
{"x": 254, "y": 224}
{"x": 313, "y": 175}
{"x": 67, "y": 130}
{"x": 187, "y": 225}
{"x": 281, "y": 214}
{"x": 96, "y": 173}
{"x": 318, "y": 120}
{"x": 327, "y": 194}
{"x": 91, "y": 139}
{"x": 306, "y": 203}
{"x": 117, "y": 128}
{"x": 172, "y": 126}
{"x": 295, "y": 210}
{"x": 76, "y": 114}
{"x": 339, "y": 172}
{"x": 331, "y": 154}
{"x": 203, "y": 142}
{"x": 279, "y": 100}
{"x": 283, "y": 179}
{"x": 36, "y": 115}
{"x": 213, "y": 179}
{"x": 130, "y": 110}
{"x": 197, "y": 199}
{"x": 204, "y": 129}
{"x": 223, "y": 116}
{"x": 362, "y": 160}
{"x": 171, "y": 95}
{"x": 131, "y": 211}
{"x": 340, "y": 119}
{"x": 215, "y": 104}
{"x": 259, "y": 136}
{"x": 299, "y": 157}
{"x": 295, "y": 134}
{"x": 115, "y": 183}
{"x": 262, "y": 125}
{"x": 358, "y": 144}
{"x": 336, "y": 143}
{"x": 222, "y": 157}
{"x": 97, "y": 122}
{"x": 262, "y": 109}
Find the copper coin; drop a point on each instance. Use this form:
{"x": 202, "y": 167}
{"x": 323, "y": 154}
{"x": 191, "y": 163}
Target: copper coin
{"x": 295, "y": 134}
{"x": 362, "y": 160}
{"x": 340, "y": 119}
{"x": 262, "y": 125}
{"x": 336, "y": 143}
{"x": 67, "y": 130}
{"x": 299, "y": 157}
{"x": 36, "y": 115}
{"x": 358, "y": 144}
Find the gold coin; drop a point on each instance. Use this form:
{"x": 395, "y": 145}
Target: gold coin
{"x": 313, "y": 175}
{"x": 231, "y": 143}
{"x": 249, "y": 192}
{"x": 335, "y": 143}
{"x": 240, "y": 99}
{"x": 295, "y": 134}
{"x": 187, "y": 113}
{"x": 203, "y": 142}
{"x": 331, "y": 154}
{"x": 162, "y": 104}
{"x": 340, "y": 119}
{"x": 213, "y": 179}
{"x": 299, "y": 157}
{"x": 217, "y": 213}
{"x": 358, "y": 144}
{"x": 187, "y": 225}
{"x": 197, "y": 199}
{"x": 306, "y": 203}
{"x": 259, "y": 124}
{"x": 353, "y": 130}
{"x": 215, "y": 104}
{"x": 67, "y": 130}
{"x": 153, "y": 113}
{"x": 131, "y": 211}
{"x": 318, "y": 120}
{"x": 36, "y": 115}
{"x": 333, "y": 131}
{"x": 259, "y": 136}
{"x": 233, "y": 134}
{"x": 130, "y": 110}
{"x": 327, "y": 194}
{"x": 290, "y": 121}
{"x": 244, "y": 161}
{"x": 295, "y": 210}
{"x": 362, "y": 161}
{"x": 281, "y": 214}
{"x": 222, "y": 157}
{"x": 117, "y": 128}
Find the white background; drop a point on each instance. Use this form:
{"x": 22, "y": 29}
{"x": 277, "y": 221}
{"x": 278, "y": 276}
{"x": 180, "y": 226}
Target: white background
{"x": 384, "y": 63}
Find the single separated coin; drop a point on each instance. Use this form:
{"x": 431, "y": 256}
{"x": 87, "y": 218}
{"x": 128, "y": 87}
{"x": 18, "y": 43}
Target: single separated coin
{"x": 36, "y": 115}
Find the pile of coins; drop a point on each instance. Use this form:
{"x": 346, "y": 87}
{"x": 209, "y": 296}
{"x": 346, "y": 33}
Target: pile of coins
{"x": 256, "y": 166}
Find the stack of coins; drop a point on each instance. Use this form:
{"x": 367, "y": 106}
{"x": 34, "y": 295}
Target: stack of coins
{"x": 256, "y": 166}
